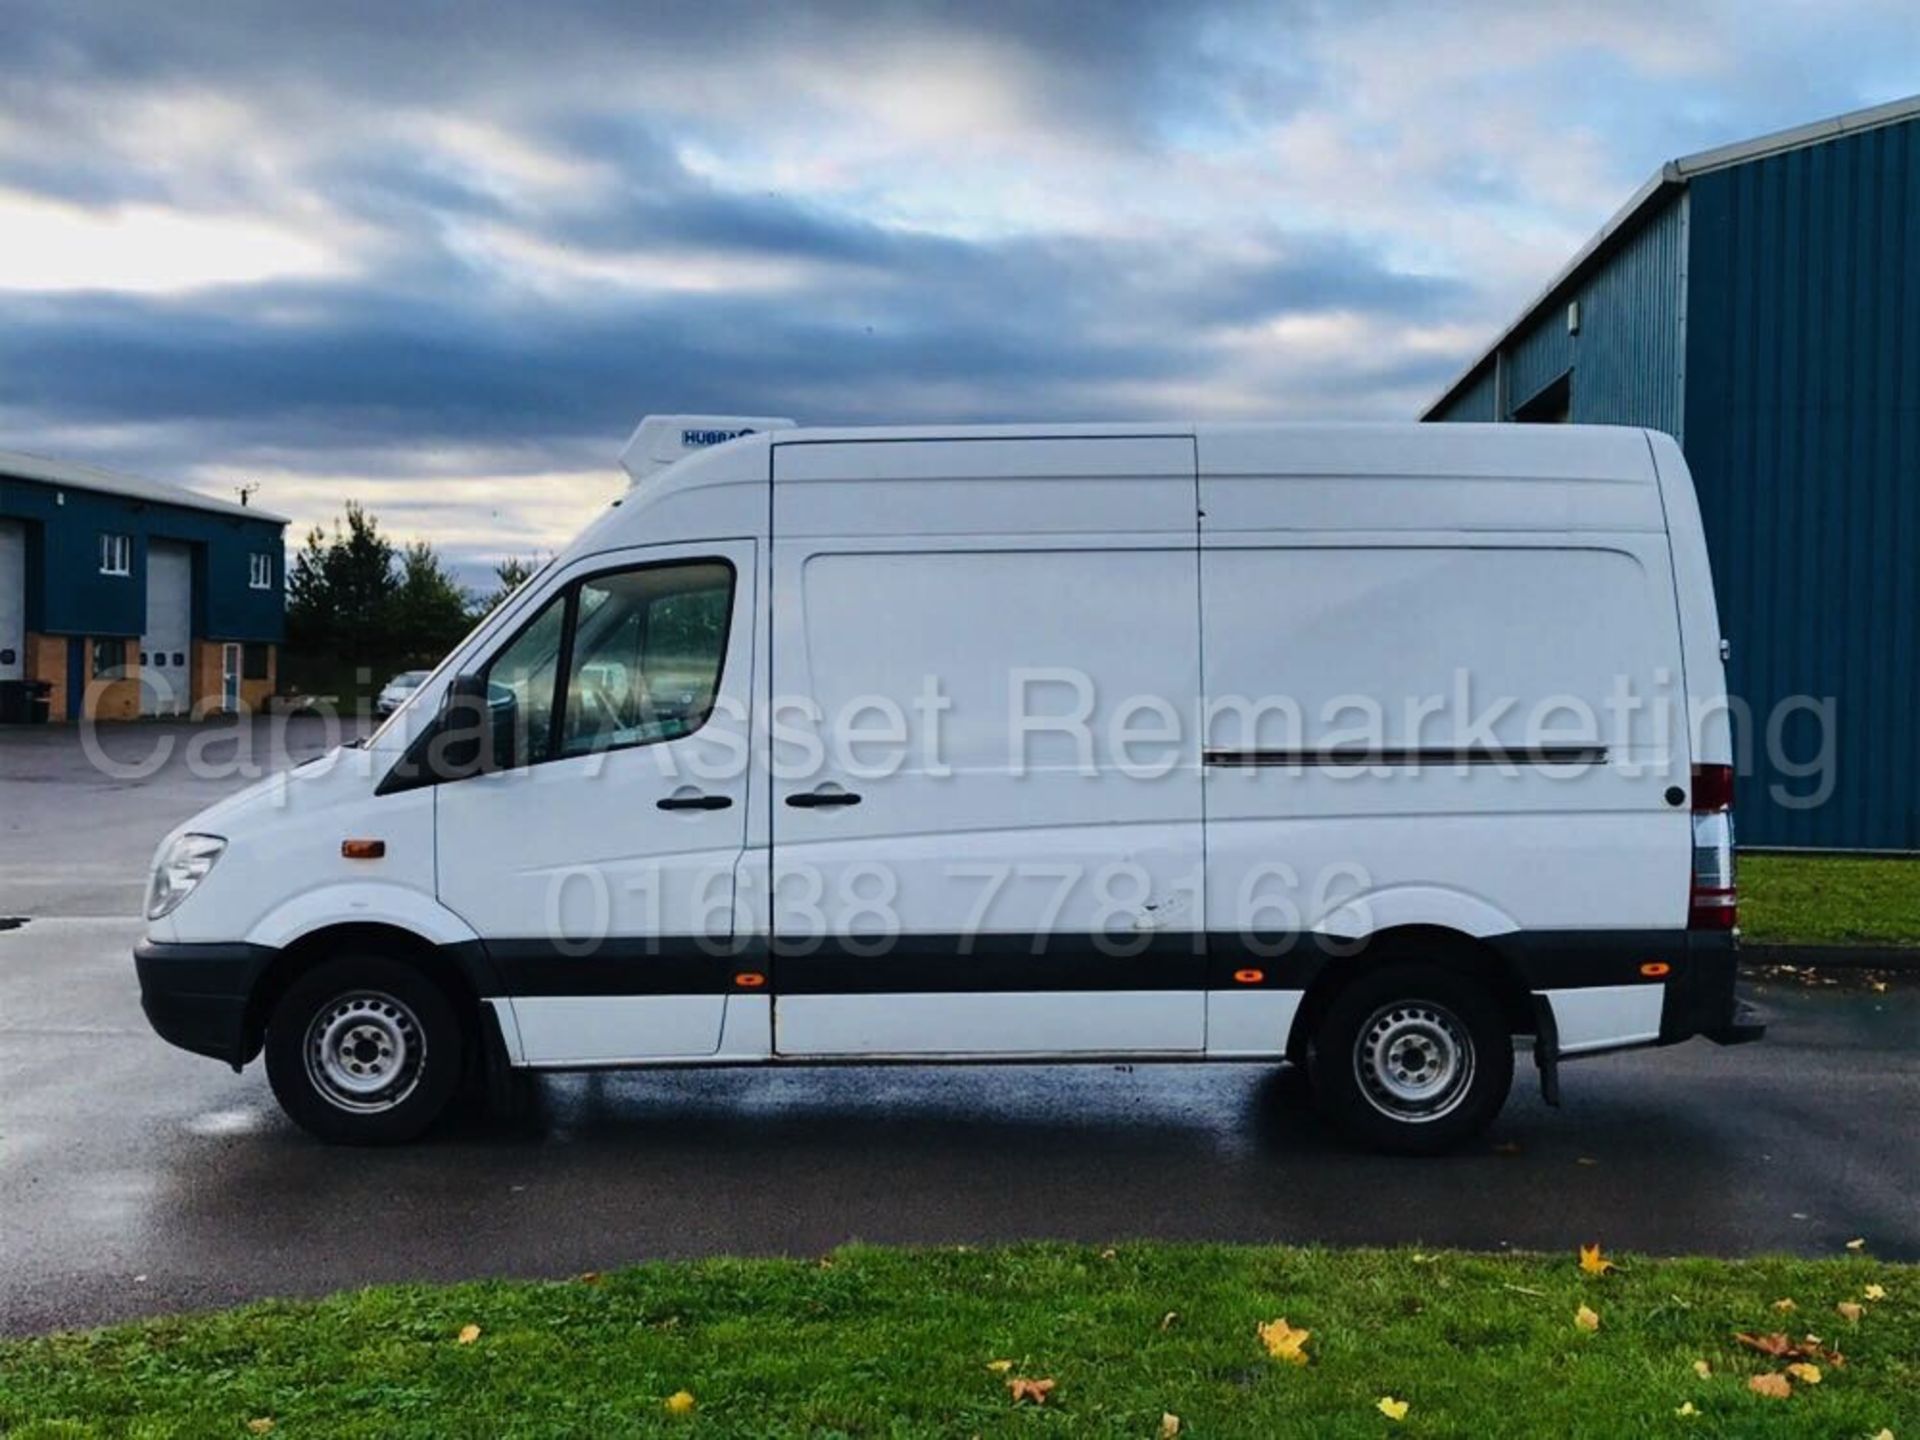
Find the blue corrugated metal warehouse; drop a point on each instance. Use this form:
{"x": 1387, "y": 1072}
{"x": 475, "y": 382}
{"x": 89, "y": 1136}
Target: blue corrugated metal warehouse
{"x": 121, "y": 596}
{"x": 1761, "y": 303}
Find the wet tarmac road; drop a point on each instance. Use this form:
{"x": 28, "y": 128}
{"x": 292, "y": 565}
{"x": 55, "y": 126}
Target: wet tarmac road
{"x": 135, "y": 1178}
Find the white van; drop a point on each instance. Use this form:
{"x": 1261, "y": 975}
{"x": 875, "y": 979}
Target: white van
{"x": 1373, "y": 748}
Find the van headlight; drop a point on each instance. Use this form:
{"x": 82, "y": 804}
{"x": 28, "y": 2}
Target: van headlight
{"x": 183, "y": 866}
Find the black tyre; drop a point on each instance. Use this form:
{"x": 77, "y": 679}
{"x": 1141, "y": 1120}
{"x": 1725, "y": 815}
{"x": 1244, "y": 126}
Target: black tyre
{"x": 1412, "y": 1059}
{"x": 363, "y": 1050}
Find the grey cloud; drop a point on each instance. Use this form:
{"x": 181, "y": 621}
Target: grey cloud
{"x": 418, "y": 355}
{"x": 422, "y": 352}
{"x": 1108, "y": 62}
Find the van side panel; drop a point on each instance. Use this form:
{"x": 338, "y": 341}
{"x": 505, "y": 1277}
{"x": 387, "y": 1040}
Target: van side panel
{"x": 1439, "y": 668}
{"x": 939, "y": 592}
{"x": 1446, "y": 700}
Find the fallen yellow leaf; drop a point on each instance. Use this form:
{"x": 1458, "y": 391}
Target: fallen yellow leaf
{"x": 1851, "y": 1310}
{"x": 1783, "y": 1306}
{"x": 680, "y": 1402}
{"x": 468, "y": 1334}
{"x": 1686, "y": 1409}
{"x": 1703, "y": 1369}
{"x": 1773, "y": 1385}
{"x": 1586, "y": 1319}
{"x": 1167, "y": 1320}
{"x": 1169, "y": 1426}
{"x": 261, "y": 1426}
{"x": 1284, "y": 1342}
{"x": 1000, "y": 1367}
{"x": 1857, "y": 1244}
{"x": 1806, "y": 1374}
{"x": 1592, "y": 1261}
{"x": 1035, "y": 1390}
{"x": 1875, "y": 1292}
{"x": 1395, "y": 1410}
{"x": 1885, "y": 1434}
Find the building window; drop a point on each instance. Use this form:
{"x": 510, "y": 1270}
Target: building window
{"x": 253, "y": 661}
{"x": 116, "y": 555}
{"x": 109, "y": 658}
{"x": 260, "y": 571}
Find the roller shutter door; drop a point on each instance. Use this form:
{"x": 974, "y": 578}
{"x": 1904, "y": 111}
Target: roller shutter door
{"x": 13, "y": 601}
{"x": 166, "y": 647}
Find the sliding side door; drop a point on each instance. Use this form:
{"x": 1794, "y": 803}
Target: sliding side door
{"x": 973, "y": 854}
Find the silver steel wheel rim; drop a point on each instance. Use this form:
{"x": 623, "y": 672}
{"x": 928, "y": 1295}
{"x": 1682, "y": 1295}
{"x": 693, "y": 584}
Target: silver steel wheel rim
{"x": 365, "y": 1052}
{"x": 1414, "y": 1060}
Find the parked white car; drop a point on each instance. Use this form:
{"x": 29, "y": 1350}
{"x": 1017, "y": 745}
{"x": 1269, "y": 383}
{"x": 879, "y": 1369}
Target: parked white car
{"x": 397, "y": 691}
{"x": 1379, "y": 749}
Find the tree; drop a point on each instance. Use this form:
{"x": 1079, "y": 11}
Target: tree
{"x": 430, "y": 609}
{"x": 340, "y": 592}
{"x": 360, "y": 608}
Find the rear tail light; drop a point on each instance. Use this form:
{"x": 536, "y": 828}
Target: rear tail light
{"x": 1714, "y": 904}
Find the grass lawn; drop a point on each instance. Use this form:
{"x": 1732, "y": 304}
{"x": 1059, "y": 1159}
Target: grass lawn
{"x": 897, "y": 1343}
{"x": 1829, "y": 900}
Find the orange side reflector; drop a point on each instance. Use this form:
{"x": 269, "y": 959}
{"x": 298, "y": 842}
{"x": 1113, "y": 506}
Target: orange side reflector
{"x": 749, "y": 979}
{"x": 1249, "y": 977}
{"x": 363, "y": 849}
{"x": 1654, "y": 969}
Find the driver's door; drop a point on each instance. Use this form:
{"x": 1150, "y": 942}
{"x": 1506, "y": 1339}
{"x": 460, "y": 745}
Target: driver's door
{"x": 598, "y": 862}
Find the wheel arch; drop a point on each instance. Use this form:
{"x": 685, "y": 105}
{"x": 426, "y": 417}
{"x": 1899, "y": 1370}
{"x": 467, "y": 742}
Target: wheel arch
{"x": 1453, "y": 950}
{"x": 459, "y": 971}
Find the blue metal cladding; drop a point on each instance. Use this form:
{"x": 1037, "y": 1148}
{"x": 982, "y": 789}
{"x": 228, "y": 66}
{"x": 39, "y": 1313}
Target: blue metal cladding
{"x": 1625, "y": 358}
{"x": 1479, "y": 401}
{"x": 1803, "y": 434}
{"x": 68, "y": 595}
{"x": 1539, "y": 356}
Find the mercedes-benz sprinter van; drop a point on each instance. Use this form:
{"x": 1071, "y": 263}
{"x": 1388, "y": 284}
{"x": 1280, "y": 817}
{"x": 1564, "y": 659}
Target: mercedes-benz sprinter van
{"x": 1380, "y": 749}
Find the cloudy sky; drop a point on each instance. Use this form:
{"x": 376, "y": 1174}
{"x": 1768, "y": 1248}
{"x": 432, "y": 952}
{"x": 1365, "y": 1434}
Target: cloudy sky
{"x": 441, "y": 257}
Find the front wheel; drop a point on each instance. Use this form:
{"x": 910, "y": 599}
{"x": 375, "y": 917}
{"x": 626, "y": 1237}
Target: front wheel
{"x": 1412, "y": 1059}
{"x": 363, "y": 1050}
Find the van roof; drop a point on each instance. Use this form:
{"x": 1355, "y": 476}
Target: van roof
{"x": 1604, "y": 453}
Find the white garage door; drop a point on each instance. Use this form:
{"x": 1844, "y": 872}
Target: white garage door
{"x": 13, "y": 600}
{"x": 165, "y": 650}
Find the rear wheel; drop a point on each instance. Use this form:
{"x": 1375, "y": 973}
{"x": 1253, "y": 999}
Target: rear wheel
{"x": 363, "y": 1050}
{"x": 1412, "y": 1059}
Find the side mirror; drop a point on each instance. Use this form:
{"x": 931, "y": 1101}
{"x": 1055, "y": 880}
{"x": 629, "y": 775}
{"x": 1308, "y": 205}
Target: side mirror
{"x": 472, "y": 735}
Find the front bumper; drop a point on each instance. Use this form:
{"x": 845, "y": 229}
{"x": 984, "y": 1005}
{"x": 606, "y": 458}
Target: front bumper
{"x": 199, "y": 996}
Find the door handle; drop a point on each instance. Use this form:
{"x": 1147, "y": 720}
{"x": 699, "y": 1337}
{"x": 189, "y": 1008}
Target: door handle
{"x": 822, "y": 798}
{"x": 695, "y": 802}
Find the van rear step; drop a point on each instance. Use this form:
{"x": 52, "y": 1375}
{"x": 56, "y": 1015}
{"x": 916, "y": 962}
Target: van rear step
{"x": 1745, "y": 1025}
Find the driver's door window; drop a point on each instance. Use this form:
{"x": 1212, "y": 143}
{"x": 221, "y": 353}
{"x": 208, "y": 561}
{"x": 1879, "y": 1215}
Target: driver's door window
{"x": 646, "y": 656}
